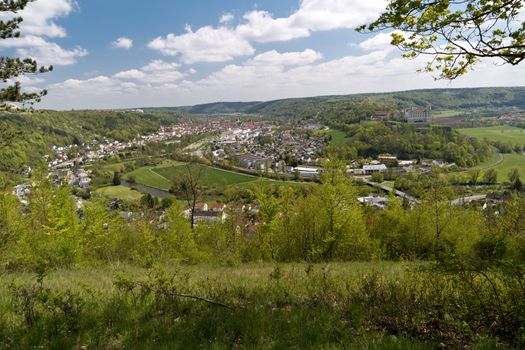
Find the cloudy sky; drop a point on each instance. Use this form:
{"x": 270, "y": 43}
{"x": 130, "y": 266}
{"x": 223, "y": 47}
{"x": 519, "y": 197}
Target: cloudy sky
{"x": 134, "y": 53}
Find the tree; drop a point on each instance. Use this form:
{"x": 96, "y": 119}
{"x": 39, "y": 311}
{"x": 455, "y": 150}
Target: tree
{"x": 378, "y": 177}
{"x": 490, "y": 176}
{"x": 189, "y": 185}
{"x": 11, "y": 68}
{"x": 148, "y": 201}
{"x": 515, "y": 179}
{"x": 456, "y": 34}
{"x": 474, "y": 176}
{"x": 116, "y": 178}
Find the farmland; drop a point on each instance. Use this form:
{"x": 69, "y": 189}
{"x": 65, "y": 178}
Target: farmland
{"x": 164, "y": 175}
{"x": 209, "y": 176}
{"x": 148, "y": 176}
{"x": 497, "y": 133}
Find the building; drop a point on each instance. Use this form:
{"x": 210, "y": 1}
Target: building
{"x": 374, "y": 201}
{"x": 209, "y": 216}
{"x": 417, "y": 115}
{"x": 308, "y": 171}
{"x": 374, "y": 168}
{"x": 379, "y": 116}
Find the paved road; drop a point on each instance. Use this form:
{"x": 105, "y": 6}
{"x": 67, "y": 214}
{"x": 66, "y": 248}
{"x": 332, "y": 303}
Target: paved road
{"x": 392, "y": 190}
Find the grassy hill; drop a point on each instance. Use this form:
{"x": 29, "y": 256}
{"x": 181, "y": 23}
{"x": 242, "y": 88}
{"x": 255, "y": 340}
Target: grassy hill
{"x": 488, "y": 99}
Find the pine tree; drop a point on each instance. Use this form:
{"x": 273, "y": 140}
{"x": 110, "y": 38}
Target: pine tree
{"x": 14, "y": 67}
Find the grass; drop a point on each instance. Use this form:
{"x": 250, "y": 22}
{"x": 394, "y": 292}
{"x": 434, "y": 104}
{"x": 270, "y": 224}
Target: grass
{"x": 120, "y": 192}
{"x": 445, "y": 113}
{"x": 298, "y": 306}
{"x": 148, "y": 176}
{"x": 500, "y": 133}
{"x": 510, "y": 161}
{"x": 339, "y": 137}
{"x": 211, "y": 177}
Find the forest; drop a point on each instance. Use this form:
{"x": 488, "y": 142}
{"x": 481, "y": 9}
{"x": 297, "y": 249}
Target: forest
{"x": 344, "y": 109}
{"x": 25, "y": 137}
{"x": 474, "y": 259}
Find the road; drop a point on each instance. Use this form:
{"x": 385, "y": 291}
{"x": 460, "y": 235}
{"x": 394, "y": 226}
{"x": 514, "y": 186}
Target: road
{"x": 393, "y": 191}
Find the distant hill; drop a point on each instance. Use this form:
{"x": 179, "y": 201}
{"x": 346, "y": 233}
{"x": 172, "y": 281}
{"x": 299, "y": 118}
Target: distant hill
{"x": 456, "y": 99}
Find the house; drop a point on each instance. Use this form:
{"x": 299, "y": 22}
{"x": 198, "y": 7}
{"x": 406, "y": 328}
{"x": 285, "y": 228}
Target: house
{"x": 250, "y": 161}
{"x": 374, "y": 168}
{"x": 379, "y": 116}
{"x": 218, "y": 207}
{"x": 201, "y": 206}
{"x": 407, "y": 163}
{"x": 209, "y": 216}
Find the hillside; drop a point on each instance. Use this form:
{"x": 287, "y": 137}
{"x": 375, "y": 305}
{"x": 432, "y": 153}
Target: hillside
{"x": 456, "y": 99}
{"x": 26, "y": 137}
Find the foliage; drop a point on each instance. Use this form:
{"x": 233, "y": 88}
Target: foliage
{"x": 26, "y": 137}
{"x": 406, "y": 142}
{"x": 456, "y": 33}
{"x": 309, "y": 306}
{"x": 13, "y": 68}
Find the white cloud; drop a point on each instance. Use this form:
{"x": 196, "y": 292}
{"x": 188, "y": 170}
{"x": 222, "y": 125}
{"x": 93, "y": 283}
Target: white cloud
{"x": 46, "y": 53}
{"x": 380, "y": 41}
{"x": 220, "y": 44}
{"x": 322, "y": 15}
{"x": 270, "y": 75}
{"x": 207, "y": 44}
{"x": 273, "y": 57}
{"x": 226, "y": 18}
{"x": 156, "y": 72}
{"x": 262, "y": 27}
{"x": 39, "y": 17}
{"x": 123, "y": 43}
{"x": 39, "y": 22}
{"x": 160, "y": 65}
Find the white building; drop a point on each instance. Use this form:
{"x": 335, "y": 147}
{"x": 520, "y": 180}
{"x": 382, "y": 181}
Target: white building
{"x": 374, "y": 168}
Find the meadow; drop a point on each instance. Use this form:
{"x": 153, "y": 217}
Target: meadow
{"x": 501, "y": 133}
{"x": 120, "y": 192}
{"x": 209, "y": 176}
{"x": 509, "y": 162}
{"x": 339, "y": 137}
{"x": 374, "y": 305}
{"x": 445, "y": 113}
{"x": 149, "y": 176}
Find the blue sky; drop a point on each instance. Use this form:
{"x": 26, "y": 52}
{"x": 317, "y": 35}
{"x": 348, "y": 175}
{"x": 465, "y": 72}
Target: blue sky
{"x": 131, "y": 53}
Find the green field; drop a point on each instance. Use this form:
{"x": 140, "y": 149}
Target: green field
{"x": 445, "y": 113}
{"x": 497, "y": 133}
{"x": 510, "y": 161}
{"x": 338, "y": 137}
{"x": 148, "y": 176}
{"x": 120, "y": 192}
{"x": 208, "y": 176}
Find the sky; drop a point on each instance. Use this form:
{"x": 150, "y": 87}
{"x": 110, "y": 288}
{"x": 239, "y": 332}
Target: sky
{"x": 159, "y": 53}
